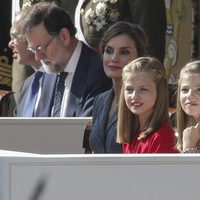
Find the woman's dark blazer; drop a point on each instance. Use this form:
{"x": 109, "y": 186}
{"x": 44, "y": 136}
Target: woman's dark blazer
{"x": 103, "y": 134}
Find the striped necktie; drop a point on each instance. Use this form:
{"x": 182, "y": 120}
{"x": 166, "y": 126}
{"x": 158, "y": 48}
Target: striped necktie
{"x": 60, "y": 87}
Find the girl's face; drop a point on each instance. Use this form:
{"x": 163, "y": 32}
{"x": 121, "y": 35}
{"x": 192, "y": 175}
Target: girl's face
{"x": 190, "y": 94}
{"x": 119, "y": 51}
{"x": 140, "y": 94}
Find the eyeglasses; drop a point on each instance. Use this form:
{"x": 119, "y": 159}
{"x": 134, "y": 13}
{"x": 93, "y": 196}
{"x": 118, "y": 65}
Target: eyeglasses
{"x": 40, "y": 48}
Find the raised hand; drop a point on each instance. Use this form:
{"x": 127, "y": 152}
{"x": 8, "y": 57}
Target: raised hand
{"x": 191, "y": 136}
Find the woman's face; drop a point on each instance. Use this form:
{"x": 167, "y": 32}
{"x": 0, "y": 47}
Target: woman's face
{"x": 190, "y": 94}
{"x": 18, "y": 44}
{"x": 118, "y": 52}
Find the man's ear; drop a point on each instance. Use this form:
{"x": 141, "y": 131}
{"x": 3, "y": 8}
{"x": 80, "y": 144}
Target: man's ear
{"x": 65, "y": 36}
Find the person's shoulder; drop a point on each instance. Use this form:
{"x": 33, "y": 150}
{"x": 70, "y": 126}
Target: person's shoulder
{"x": 164, "y": 139}
{"x": 26, "y": 85}
{"x": 100, "y": 101}
{"x": 29, "y": 79}
{"x": 165, "y": 131}
{"x": 166, "y": 127}
{"x": 104, "y": 94}
{"x": 92, "y": 58}
{"x": 87, "y": 48}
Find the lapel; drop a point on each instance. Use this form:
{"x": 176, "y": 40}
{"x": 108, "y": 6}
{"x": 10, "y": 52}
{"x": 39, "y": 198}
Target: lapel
{"x": 77, "y": 88}
{"x": 47, "y": 95}
{"x": 113, "y": 119}
{"x": 27, "y": 85}
{"x": 104, "y": 107}
{"x": 23, "y": 95}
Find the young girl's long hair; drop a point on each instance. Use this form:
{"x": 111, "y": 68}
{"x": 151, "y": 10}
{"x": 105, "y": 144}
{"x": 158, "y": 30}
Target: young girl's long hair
{"x": 128, "y": 122}
{"x": 184, "y": 120}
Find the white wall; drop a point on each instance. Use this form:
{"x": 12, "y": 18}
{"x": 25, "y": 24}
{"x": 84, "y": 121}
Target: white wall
{"x": 102, "y": 177}
{"x": 43, "y": 135}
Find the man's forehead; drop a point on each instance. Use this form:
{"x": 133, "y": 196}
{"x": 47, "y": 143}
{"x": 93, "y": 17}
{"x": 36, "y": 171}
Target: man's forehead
{"x": 37, "y": 31}
{"x": 37, "y": 37}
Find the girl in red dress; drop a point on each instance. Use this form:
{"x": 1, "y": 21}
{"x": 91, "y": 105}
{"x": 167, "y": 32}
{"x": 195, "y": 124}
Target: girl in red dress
{"x": 143, "y": 121}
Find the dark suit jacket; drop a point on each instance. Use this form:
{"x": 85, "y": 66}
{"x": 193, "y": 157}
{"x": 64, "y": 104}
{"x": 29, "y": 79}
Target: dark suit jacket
{"x": 22, "y": 96}
{"x": 149, "y": 14}
{"x": 18, "y": 112}
{"x": 103, "y": 135}
{"x": 89, "y": 81}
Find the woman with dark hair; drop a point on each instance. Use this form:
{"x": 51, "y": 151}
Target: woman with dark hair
{"x": 121, "y": 43}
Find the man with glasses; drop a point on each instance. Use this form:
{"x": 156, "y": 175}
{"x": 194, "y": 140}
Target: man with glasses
{"x": 78, "y": 69}
{"x": 18, "y": 44}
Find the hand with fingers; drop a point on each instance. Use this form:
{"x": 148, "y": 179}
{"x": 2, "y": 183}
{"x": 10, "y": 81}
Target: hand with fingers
{"x": 191, "y": 136}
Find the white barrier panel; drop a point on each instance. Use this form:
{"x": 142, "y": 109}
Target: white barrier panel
{"x": 100, "y": 177}
{"x": 43, "y": 135}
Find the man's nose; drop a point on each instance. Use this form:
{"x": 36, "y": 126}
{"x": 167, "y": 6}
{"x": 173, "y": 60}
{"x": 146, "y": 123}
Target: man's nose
{"x": 11, "y": 44}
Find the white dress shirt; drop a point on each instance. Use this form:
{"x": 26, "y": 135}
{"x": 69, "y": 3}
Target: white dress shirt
{"x": 70, "y": 68}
